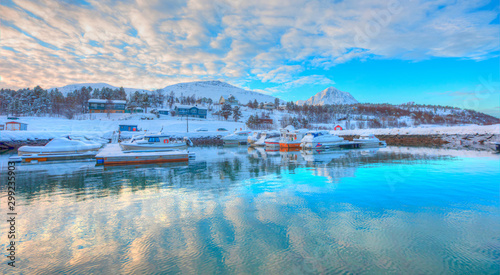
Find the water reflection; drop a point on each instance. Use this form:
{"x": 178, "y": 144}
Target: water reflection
{"x": 240, "y": 210}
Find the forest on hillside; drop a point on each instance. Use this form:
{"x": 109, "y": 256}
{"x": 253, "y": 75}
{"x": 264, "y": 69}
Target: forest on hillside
{"x": 41, "y": 102}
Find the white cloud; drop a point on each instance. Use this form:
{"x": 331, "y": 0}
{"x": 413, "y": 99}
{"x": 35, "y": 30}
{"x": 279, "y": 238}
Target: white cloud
{"x": 230, "y": 40}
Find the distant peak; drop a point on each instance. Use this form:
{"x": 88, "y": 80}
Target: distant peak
{"x": 330, "y": 95}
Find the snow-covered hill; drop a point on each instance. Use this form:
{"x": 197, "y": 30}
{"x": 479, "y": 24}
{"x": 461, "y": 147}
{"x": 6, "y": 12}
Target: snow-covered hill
{"x": 208, "y": 89}
{"x": 70, "y": 88}
{"x": 329, "y": 95}
{"x": 214, "y": 90}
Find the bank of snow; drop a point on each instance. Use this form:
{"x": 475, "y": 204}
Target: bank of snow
{"x": 49, "y": 128}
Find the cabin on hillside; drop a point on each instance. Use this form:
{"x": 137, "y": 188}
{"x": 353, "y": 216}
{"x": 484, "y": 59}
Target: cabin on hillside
{"x": 107, "y": 106}
{"x": 192, "y": 111}
{"x": 268, "y": 106}
{"x": 264, "y": 121}
{"x": 16, "y": 126}
{"x": 229, "y": 99}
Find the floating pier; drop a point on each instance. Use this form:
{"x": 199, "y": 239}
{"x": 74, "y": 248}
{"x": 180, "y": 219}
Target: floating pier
{"x": 113, "y": 155}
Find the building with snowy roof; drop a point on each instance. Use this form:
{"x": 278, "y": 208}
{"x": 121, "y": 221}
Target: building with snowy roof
{"x": 230, "y": 99}
{"x": 192, "y": 111}
{"x": 107, "y": 106}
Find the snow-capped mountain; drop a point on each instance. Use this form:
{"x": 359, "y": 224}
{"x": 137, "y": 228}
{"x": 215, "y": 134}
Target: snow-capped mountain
{"x": 70, "y": 88}
{"x": 214, "y": 90}
{"x": 329, "y": 95}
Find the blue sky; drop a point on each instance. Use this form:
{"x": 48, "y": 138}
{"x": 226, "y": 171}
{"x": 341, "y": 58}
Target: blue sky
{"x": 430, "y": 52}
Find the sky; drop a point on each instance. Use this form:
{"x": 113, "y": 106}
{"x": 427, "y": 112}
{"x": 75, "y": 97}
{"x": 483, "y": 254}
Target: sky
{"x": 429, "y": 52}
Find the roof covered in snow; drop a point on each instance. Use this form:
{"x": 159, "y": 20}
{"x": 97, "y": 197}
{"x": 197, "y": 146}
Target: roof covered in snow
{"x": 93, "y": 100}
{"x": 190, "y": 106}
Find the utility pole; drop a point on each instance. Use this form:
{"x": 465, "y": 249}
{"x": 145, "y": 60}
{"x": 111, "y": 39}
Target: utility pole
{"x": 187, "y": 123}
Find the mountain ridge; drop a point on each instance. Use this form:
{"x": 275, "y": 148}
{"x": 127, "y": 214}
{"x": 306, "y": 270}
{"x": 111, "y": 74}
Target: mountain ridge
{"x": 330, "y": 95}
{"x": 213, "y": 89}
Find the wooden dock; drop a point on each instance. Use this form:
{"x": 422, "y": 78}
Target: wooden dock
{"x": 113, "y": 155}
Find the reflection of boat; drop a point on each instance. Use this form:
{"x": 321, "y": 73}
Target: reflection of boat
{"x": 291, "y": 138}
{"x": 237, "y": 138}
{"x": 321, "y": 140}
{"x": 59, "y": 168}
{"x": 257, "y": 152}
{"x": 154, "y": 142}
{"x": 271, "y": 138}
{"x": 324, "y": 156}
{"x": 288, "y": 156}
{"x": 59, "y": 146}
{"x": 369, "y": 140}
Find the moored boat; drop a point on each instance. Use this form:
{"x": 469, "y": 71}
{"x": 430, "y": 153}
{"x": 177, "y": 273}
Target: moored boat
{"x": 321, "y": 140}
{"x": 369, "y": 140}
{"x": 291, "y": 138}
{"x": 155, "y": 142}
{"x": 237, "y": 138}
{"x": 59, "y": 146}
{"x": 113, "y": 155}
{"x": 270, "y": 138}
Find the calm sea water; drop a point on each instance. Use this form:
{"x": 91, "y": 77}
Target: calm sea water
{"x": 237, "y": 210}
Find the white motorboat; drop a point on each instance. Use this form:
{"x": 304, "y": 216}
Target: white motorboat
{"x": 369, "y": 140}
{"x": 60, "y": 146}
{"x": 237, "y": 138}
{"x": 271, "y": 137}
{"x": 321, "y": 140}
{"x": 155, "y": 142}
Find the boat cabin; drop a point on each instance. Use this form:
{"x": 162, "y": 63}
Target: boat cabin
{"x": 159, "y": 139}
{"x": 318, "y": 133}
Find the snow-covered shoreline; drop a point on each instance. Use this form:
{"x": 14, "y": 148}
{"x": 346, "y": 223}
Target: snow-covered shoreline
{"x": 429, "y": 130}
{"x": 46, "y": 128}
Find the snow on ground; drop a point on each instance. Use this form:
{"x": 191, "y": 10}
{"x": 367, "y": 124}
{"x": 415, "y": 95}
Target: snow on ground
{"x": 429, "y": 130}
{"x": 101, "y": 126}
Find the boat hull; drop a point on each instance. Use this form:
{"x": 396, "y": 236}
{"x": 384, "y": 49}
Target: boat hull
{"x": 290, "y": 145}
{"x": 321, "y": 145}
{"x": 133, "y": 147}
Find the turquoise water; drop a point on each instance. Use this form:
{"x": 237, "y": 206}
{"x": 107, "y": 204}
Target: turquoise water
{"x": 233, "y": 210}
